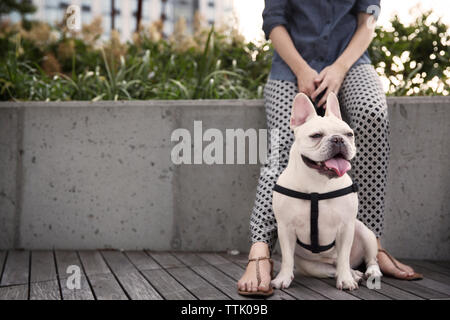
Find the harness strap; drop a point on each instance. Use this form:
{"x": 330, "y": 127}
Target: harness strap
{"x": 314, "y": 197}
{"x": 320, "y": 196}
{"x": 316, "y": 249}
{"x": 314, "y": 223}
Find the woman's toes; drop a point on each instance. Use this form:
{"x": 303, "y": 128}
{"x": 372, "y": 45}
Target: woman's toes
{"x": 388, "y": 268}
{"x": 264, "y": 286}
{"x": 399, "y": 273}
{"x": 405, "y": 267}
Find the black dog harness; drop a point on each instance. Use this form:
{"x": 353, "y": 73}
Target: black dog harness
{"x": 314, "y": 197}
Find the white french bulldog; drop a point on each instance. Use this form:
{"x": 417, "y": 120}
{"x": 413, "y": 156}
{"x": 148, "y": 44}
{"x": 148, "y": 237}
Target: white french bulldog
{"x": 318, "y": 162}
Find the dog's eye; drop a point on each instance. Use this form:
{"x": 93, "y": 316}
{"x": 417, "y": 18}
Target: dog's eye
{"x": 316, "y": 135}
{"x": 350, "y": 134}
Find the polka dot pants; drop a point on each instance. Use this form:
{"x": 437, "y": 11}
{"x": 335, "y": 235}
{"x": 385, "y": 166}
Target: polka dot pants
{"x": 363, "y": 107}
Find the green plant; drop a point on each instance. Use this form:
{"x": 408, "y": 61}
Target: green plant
{"x": 46, "y": 63}
{"x": 415, "y": 59}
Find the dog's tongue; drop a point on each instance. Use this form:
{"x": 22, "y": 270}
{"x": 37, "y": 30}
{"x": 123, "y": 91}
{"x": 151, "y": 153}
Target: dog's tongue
{"x": 339, "y": 165}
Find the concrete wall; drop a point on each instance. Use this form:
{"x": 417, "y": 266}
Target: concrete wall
{"x": 82, "y": 175}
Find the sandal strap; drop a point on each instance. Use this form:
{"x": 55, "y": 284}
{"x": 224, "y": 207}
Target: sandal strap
{"x": 391, "y": 258}
{"x": 258, "y": 258}
{"x": 258, "y": 274}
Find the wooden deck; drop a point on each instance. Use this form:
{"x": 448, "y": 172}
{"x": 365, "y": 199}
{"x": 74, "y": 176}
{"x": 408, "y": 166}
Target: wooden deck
{"x": 41, "y": 275}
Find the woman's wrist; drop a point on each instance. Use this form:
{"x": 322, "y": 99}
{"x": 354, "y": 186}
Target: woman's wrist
{"x": 343, "y": 64}
{"x": 300, "y": 67}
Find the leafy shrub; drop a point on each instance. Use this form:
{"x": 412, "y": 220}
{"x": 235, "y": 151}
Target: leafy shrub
{"x": 45, "y": 63}
{"x": 415, "y": 59}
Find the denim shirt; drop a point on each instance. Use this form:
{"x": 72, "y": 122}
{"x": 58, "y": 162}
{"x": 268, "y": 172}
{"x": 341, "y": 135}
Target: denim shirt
{"x": 320, "y": 30}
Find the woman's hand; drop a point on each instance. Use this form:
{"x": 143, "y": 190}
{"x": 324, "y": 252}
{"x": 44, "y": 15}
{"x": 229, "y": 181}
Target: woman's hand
{"x": 306, "y": 80}
{"x": 330, "y": 78}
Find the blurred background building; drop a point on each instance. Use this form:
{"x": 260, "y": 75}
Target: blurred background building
{"x": 123, "y": 15}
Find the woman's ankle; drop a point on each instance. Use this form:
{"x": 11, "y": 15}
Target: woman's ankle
{"x": 259, "y": 249}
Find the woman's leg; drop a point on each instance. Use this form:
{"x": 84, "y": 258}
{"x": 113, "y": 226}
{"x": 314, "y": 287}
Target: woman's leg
{"x": 278, "y": 103}
{"x": 363, "y": 103}
{"x": 263, "y": 228}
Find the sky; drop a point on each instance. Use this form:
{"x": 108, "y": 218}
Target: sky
{"x": 250, "y": 20}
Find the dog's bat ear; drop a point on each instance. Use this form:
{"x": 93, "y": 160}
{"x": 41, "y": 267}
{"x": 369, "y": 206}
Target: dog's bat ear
{"x": 333, "y": 106}
{"x": 302, "y": 110}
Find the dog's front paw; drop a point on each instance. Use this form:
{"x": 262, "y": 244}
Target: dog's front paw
{"x": 282, "y": 280}
{"x": 357, "y": 275}
{"x": 373, "y": 271}
{"x": 346, "y": 281}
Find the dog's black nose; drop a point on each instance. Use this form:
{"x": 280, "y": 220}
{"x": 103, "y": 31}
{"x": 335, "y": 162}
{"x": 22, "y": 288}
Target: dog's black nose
{"x": 337, "y": 140}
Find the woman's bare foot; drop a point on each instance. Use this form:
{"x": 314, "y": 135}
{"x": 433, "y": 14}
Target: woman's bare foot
{"x": 388, "y": 268}
{"x": 248, "y": 281}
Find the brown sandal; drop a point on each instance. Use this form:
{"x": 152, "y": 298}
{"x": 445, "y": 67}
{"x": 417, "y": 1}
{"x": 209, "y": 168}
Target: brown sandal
{"x": 258, "y": 278}
{"x": 415, "y": 276}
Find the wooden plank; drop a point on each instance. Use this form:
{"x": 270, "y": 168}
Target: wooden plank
{"x": 166, "y": 259}
{"x": 240, "y": 259}
{"x": 190, "y": 259}
{"x": 226, "y": 284}
{"x": 213, "y": 258}
{"x": 19, "y": 292}
{"x": 429, "y": 265}
{"x": 48, "y": 290}
{"x": 64, "y": 259}
{"x": 324, "y": 289}
{"x": 103, "y": 282}
{"x": 83, "y": 293}
{"x": 137, "y": 287}
{"x": 414, "y": 288}
{"x": 431, "y": 274}
{"x": 44, "y": 284}
{"x": 17, "y": 268}
{"x": 42, "y": 266}
{"x": 443, "y": 263}
{"x": 303, "y": 293}
{"x": 142, "y": 261}
{"x": 117, "y": 262}
{"x": 106, "y": 287}
{"x": 435, "y": 285}
{"x": 93, "y": 263}
{"x": 169, "y": 288}
{"x": 196, "y": 285}
{"x": 393, "y": 292}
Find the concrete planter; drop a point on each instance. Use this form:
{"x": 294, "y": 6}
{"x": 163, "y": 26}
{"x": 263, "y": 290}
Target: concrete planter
{"x": 83, "y": 175}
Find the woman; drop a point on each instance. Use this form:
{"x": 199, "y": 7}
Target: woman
{"x": 321, "y": 47}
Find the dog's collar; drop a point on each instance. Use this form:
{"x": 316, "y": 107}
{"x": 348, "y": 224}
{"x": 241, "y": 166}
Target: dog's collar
{"x": 314, "y": 197}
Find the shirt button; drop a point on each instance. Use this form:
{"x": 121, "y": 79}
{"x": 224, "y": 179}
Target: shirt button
{"x": 325, "y": 37}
